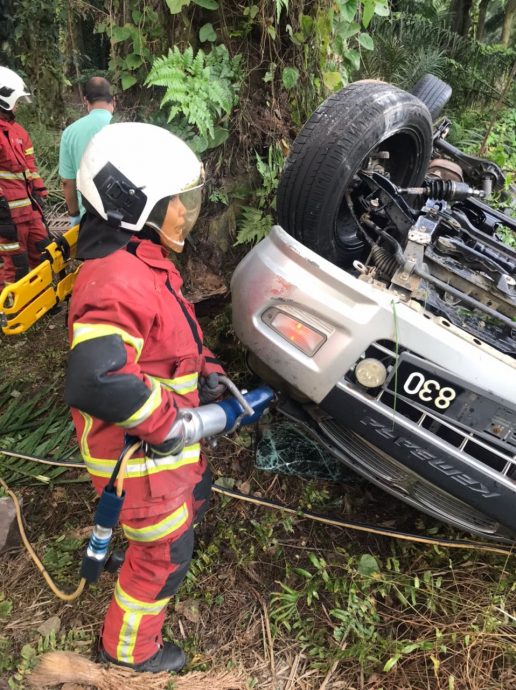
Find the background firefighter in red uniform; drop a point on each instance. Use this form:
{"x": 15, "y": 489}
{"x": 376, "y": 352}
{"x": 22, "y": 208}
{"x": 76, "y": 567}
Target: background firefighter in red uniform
{"x": 137, "y": 356}
{"x": 23, "y": 235}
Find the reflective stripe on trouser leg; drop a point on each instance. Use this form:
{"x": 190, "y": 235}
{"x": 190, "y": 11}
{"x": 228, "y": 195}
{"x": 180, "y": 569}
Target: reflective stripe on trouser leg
{"x": 132, "y": 627}
{"x": 17, "y": 262}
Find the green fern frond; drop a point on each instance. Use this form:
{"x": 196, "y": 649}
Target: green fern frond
{"x": 253, "y": 226}
{"x": 201, "y": 88}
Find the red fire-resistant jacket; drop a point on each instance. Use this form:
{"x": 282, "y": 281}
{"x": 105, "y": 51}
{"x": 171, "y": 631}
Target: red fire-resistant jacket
{"x": 136, "y": 355}
{"x": 19, "y": 177}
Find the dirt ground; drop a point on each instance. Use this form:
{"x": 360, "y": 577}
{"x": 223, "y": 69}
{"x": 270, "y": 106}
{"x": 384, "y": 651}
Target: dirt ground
{"x": 290, "y": 603}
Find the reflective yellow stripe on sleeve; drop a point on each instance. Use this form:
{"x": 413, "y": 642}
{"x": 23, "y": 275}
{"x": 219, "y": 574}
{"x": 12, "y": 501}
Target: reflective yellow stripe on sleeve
{"x": 89, "y": 331}
{"x": 29, "y": 151}
{"x": 144, "y": 412}
{"x": 159, "y": 530}
{"x": 19, "y": 203}
{"x": 136, "y": 467}
{"x": 180, "y": 385}
{"x": 7, "y": 175}
{"x": 9, "y": 247}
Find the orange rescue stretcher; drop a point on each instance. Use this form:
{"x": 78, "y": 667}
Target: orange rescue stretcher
{"x": 51, "y": 282}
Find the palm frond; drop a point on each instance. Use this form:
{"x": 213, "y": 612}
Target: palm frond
{"x": 411, "y": 44}
{"x": 34, "y": 424}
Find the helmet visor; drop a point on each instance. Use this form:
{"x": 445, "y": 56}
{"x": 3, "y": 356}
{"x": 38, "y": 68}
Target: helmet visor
{"x": 191, "y": 200}
{"x": 174, "y": 217}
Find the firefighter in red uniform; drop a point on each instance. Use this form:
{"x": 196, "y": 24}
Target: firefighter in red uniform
{"x": 137, "y": 356}
{"x": 23, "y": 235}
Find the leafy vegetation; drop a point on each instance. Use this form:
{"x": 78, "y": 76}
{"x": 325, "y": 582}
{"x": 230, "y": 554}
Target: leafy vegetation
{"x": 257, "y": 220}
{"x": 201, "y": 91}
{"x": 353, "y": 609}
{"x": 36, "y": 424}
{"x": 409, "y": 45}
{"x": 237, "y": 83}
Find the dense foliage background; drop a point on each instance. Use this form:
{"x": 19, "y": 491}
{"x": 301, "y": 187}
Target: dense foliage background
{"x": 295, "y": 604}
{"x": 238, "y": 79}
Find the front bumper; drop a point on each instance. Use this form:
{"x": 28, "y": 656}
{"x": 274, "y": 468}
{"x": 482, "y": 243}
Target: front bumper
{"x": 280, "y": 272}
{"x": 474, "y": 470}
{"x": 425, "y": 454}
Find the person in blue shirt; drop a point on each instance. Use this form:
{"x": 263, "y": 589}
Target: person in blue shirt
{"x": 100, "y": 105}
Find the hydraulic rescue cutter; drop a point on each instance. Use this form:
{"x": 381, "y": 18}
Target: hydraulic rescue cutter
{"x": 191, "y": 425}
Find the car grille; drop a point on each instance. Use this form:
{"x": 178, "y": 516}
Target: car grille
{"x": 494, "y": 453}
{"x": 392, "y": 476}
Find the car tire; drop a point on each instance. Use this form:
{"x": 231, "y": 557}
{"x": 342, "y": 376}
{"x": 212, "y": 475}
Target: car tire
{"x": 333, "y": 145}
{"x": 434, "y": 93}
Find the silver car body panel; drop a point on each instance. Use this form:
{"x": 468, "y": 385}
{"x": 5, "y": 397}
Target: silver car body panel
{"x": 281, "y": 272}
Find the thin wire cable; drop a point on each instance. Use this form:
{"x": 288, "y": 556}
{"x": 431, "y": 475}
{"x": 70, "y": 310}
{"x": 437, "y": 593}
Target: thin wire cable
{"x": 43, "y": 461}
{"x": 352, "y": 525}
{"x": 365, "y": 527}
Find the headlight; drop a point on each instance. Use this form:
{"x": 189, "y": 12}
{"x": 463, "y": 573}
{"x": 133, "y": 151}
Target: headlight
{"x": 370, "y": 372}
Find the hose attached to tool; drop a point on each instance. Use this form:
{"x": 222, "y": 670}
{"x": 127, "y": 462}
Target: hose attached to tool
{"x": 256, "y": 500}
{"x": 39, "y": 565}
{"x": 364, "y": 526}
{"x": 19, "y": 518}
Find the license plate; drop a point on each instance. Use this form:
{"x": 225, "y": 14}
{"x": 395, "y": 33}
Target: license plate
{"x": 423, "y": 386}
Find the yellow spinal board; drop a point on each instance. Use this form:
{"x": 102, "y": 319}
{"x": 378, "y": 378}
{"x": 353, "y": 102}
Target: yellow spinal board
{"x": 24, "y": 302}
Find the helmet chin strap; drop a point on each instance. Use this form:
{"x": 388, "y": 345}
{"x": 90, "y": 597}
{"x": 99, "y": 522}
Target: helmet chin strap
{"x": 156, "y": 236}
{"x": 151, "y": 232}
{"x": 177, "y": 243}
{"x": 6, "y": 115}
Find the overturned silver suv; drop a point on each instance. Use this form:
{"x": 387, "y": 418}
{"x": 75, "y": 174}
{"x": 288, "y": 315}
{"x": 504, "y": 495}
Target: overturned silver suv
{"x": 383, "y": 305}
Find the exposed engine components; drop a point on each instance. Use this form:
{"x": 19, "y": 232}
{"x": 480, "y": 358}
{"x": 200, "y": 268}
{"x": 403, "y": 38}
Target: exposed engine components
{"x": 384, "y": 261}
{"x": 447, "y": 190}
{"x": 445, "y": 169}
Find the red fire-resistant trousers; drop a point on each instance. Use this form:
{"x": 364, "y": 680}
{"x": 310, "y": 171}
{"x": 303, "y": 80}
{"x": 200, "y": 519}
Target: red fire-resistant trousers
{"x": 156, "y": 561}
{"x": 24, "y": 253}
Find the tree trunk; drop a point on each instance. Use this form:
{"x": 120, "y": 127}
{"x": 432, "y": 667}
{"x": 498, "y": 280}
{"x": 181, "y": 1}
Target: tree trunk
{"x": 481, "y": 24}
{"x": 72, "y": 37}
{"x": 461, "y": 17}
{"x": 510, "y": 11}
{"x": 467, "y": 17}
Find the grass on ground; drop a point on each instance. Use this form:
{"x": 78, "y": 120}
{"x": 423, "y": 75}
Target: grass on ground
{"x": 296, "y": 605}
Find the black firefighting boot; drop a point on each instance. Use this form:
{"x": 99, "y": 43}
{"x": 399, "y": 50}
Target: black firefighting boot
{"x": 169, "y": 657}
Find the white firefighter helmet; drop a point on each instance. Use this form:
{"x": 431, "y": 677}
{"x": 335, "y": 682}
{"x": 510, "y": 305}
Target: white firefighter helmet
{"x": 12, "y": 88}
{"x": 129, "y": 168}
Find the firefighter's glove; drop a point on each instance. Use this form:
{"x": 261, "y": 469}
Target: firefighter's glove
{"x": 5, "y": 212}
{"x": 210, "y": 388}
{"x": 8, "y": 229}
{"x": 170, "y": 446}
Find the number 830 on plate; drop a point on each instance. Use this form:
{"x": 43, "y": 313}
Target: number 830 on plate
{"x": 419, "y": 384}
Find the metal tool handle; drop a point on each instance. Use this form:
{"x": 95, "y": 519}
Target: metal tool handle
{"x": 236, "y": 393}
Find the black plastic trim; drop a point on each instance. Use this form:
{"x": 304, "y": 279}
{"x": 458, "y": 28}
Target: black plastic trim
{"x": 431, "y": 461}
